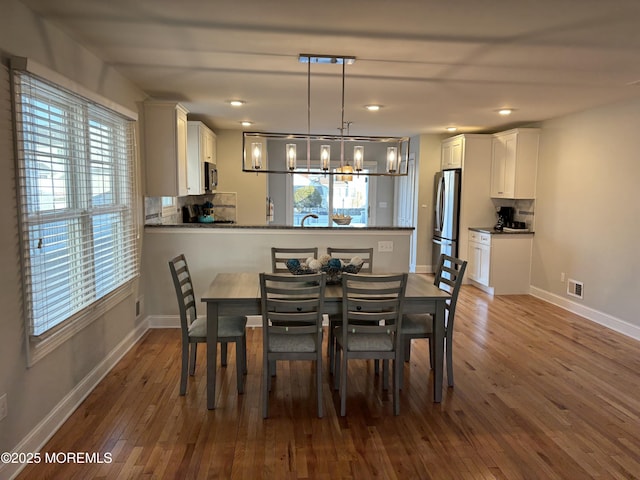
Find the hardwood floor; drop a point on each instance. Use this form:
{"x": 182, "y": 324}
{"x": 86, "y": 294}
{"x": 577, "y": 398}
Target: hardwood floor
{"x": 540, "y": 393}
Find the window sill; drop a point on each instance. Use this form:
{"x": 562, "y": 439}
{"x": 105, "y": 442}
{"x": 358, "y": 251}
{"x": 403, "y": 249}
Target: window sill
{"x": 41, "y": 346}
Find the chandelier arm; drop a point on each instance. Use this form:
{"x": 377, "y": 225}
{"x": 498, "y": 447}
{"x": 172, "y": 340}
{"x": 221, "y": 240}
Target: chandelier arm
{"x": 342, "y": 119}
{"x": 309, "y": 114}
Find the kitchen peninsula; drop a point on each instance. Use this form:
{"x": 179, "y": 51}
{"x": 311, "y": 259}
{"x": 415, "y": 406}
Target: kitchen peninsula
{"x": 214, "y": 248}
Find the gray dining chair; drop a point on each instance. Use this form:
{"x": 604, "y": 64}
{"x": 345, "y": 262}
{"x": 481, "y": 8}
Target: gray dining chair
{"x": 292, "y": 325}
{"x": 449, "y": 274}
{"x": 371, "y": 322}
{"x": 194, "y": 328}
{"x": 279, "y": 257}
{"x": 335, "y": 319}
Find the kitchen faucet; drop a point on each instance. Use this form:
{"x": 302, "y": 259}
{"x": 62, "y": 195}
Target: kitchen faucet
{"x": 312, "y": 215}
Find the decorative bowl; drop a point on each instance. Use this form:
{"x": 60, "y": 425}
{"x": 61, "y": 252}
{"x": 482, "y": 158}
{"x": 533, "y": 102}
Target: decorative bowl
{"x": 341, "y": 219}
{"x": 333, "y": 269}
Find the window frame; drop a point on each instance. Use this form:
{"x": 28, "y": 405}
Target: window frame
{"x": 371, "y": 199}
{"x": 109, "y": 224}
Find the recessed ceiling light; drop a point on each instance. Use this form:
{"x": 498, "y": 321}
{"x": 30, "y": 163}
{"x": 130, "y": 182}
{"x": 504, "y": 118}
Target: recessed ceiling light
{"x": 505, "y": 111}
{"x": 236, "y": 103}
{"x": 452, "y": 129}
{"x": 246, "y": 124}
{"x": 373, "y": 108}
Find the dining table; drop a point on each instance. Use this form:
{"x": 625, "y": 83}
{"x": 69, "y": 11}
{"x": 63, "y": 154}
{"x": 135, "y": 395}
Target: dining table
{"x": 239, "y": 294}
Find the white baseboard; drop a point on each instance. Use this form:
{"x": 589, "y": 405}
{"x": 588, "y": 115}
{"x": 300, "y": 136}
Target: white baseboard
{"x": 479, "y": 286}
{"x": 49, "y": 425}
{"x": 596, "y": 316}
{"x": 424, "y": 269}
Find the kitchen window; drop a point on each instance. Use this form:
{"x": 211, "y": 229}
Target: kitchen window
{"x": 77, "y": 204}
{"x": 327, "y": 195}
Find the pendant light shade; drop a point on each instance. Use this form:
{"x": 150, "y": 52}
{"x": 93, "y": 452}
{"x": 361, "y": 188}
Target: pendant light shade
{"x": 325, "y": 157}
{"x": 256, "y": 155}
{"x": 358, "y": 158}
{"x": 392, "y": 159}
{"x": 291, "y": 156}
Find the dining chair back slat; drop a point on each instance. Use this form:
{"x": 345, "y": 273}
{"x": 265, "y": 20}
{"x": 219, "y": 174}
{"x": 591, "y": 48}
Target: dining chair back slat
{"x": 279, "y": 257}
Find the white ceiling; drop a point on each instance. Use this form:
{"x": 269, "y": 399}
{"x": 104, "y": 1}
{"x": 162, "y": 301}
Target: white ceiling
{"x": 431, "y": 64}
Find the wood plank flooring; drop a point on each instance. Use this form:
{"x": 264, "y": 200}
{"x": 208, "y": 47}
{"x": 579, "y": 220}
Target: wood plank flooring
{"x": 539, "y": 393}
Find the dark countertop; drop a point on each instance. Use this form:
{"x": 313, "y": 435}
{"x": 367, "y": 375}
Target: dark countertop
{"x": 493, "y": 231}
{"x": 345, "y": 228}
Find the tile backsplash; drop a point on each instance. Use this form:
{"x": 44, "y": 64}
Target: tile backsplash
{"x": 224, "y": 208}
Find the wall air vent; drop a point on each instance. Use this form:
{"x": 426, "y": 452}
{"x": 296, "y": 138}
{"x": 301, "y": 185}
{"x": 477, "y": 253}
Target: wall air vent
{"x": 575, "y": 288}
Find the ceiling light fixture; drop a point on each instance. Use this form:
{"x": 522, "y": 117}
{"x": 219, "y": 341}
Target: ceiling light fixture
{"x": 505, "y": 111}
{"x": 452, "y": 129}
{"x": 236, "y": 103}
{"x": 246, "y": 124}
{"x": 267, "y": 152}
{"x": 373, "y": 108}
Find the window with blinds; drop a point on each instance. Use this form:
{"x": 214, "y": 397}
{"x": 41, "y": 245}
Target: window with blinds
{"x": 76, "y": 192}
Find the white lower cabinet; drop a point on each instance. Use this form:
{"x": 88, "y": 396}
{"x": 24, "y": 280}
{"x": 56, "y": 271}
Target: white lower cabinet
{"x": 500, "y": 264}
{"x": 479, "y": 257}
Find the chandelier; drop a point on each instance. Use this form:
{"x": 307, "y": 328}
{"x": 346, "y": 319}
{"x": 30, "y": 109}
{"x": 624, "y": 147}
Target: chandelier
{"x": 268, "y": 152}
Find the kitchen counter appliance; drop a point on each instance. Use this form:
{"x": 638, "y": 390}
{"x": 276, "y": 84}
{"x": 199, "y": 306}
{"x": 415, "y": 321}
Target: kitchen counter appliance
{"x": 506, "y": 221}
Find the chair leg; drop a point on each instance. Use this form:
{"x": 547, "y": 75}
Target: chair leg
{"x": 193, "y": 347}
{"x": 343, "y": 385}
{"x": 184, "y": 369}
{"x": 376, "y": 367}
{"x": 319, "y": 382}
{"x": 407, "y": 349}
{"x": 272, "y": 367}
{"x": 336, "y": 377}
{"x": 240, "y": 353}
{"x": 401, "y": 369}
{"x": 385, "y": 374}
{"x": 397, "y": 366}
{"x": 331, "y": 350}
{"x": 431, "y": 352}
{"x": 449, "y": 348}
{"x": 244, "y": 357}
{"x": 266, "y": 386}
{"x": 223, "y": 354}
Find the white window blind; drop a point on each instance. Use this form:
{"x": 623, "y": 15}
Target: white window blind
{"x": 76, "y": 190}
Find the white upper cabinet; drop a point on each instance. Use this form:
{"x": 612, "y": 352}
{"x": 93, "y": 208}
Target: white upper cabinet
{"x": 201, "y": 149}
{"x": 451, "y": 153}
{"x": 165, "y": 140}
{"x": 514, "y": 163}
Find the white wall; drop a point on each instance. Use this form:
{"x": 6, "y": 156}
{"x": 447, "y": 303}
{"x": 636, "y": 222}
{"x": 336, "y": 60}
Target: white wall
{"x": 588, "y": 209}
{"x": 34, "y": 393}
{"x": 428, "y": 164}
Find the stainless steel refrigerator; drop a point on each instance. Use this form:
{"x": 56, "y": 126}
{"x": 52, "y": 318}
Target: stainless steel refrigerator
{"x": 447, "y": 210}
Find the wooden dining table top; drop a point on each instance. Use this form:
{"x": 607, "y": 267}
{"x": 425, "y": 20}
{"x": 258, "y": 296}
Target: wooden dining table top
{"x": 244, "y": 286}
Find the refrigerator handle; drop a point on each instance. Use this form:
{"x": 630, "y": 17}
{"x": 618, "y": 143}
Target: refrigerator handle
{"x": 439, "y": 204}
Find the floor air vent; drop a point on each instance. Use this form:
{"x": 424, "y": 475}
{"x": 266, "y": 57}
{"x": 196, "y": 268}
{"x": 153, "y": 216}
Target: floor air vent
{"x": 575, "y": 288}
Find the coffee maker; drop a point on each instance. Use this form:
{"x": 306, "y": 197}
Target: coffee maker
{"x": 505, "y": 218}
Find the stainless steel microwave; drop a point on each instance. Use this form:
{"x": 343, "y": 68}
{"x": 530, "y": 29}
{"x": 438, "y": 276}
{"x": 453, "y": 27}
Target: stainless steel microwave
{"x": 210, "y": 177}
